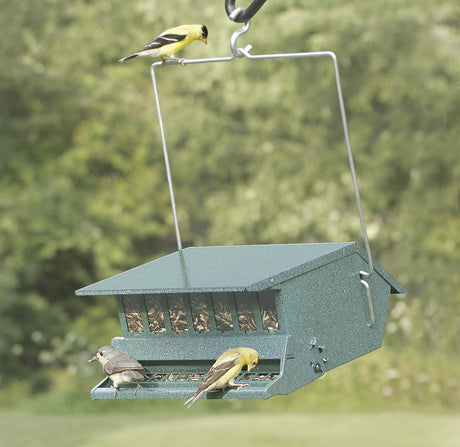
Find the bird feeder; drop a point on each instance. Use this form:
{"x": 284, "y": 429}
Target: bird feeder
{"x": 306, "y": 308}
{"x": 301, "y": 306}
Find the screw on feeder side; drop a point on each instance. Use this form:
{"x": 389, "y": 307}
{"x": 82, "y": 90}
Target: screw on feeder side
{"x": 316, "y": 366}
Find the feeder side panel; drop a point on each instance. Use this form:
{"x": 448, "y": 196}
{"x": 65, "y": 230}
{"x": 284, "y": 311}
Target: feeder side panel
{"x": 184, "y": 348}
{"x": 327, "y": 316}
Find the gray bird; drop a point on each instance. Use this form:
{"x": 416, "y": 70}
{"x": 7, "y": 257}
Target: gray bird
{"x": 120, "y": 368}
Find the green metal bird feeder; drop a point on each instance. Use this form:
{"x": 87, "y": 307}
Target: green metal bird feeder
{"x": 301, "y": 306}
{"x": 306, "y": 308}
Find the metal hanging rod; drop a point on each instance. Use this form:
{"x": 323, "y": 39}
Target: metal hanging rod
{"x": 245, "y": 52}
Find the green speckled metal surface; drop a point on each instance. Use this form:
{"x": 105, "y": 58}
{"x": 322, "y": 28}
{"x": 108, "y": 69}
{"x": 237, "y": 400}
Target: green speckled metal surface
{"x": 321, "y": 315}
{"x": 225, "y": 268}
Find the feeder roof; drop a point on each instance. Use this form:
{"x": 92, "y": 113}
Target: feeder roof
{"x": 228, "y": 269}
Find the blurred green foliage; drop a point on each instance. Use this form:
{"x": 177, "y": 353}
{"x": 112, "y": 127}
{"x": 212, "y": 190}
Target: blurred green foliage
{"x": 257, "y": 155}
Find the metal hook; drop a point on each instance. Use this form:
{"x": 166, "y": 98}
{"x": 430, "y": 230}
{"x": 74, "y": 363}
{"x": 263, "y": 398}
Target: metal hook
{"x": 370, "y": 306}
{"x": 239, "y": 32}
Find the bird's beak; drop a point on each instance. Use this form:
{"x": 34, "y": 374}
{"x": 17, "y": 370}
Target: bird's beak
{"x": 205, "y": 40}
{"x": 92, "y": 360}
{"x": 250, "y": 367}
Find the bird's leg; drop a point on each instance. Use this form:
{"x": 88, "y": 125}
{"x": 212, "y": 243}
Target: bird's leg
{"x": 116, "y": 392}
{"x": 174, "y": 58}
{"x": 237, "y": 385}
{"x": 138, "y": 385}
{"x": 163, "y": 59}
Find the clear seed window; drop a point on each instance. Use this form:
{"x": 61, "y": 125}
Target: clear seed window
{"x": 207, "y": 312}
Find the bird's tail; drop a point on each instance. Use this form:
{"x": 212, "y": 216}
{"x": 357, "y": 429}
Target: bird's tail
{"x": 193, "y": 399}
{"x": 131, "y": 56}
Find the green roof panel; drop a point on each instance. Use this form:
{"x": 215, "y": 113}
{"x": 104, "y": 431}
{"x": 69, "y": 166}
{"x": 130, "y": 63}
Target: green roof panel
{"x": 223, "y": 268}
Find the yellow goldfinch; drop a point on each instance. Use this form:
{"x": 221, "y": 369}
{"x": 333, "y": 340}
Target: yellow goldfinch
{"x": 172, "y": 41}
{"x": 120, "y": 368}
{"x": 225, "y": 370}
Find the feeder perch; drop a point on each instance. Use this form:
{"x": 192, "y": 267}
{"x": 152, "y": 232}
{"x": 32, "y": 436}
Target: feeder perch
{"x": 301, "y": 306}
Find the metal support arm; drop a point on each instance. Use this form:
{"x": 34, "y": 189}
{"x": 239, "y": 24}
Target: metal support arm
{"x": 245, "y": 52}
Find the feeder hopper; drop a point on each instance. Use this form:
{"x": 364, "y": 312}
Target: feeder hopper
{"x": 303, "y": 307}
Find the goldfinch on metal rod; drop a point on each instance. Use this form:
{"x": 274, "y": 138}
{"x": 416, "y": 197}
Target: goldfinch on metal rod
{"x": 225, "y": 370}
{"x": 171, "y": 41}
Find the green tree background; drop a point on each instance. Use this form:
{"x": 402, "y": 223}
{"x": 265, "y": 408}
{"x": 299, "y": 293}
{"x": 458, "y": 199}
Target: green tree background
{"x": 258, "y": 156}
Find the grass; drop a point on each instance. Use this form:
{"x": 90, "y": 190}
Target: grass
{"x": 267, "y": 430}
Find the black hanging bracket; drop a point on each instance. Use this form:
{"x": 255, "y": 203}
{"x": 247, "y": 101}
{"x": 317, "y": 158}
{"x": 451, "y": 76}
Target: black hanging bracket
{"x": 241, "y": 15}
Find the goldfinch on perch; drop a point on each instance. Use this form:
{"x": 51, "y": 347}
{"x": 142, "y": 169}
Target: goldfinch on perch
{"x": 171, "y": 41}
{"x": 225, "y": 370}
